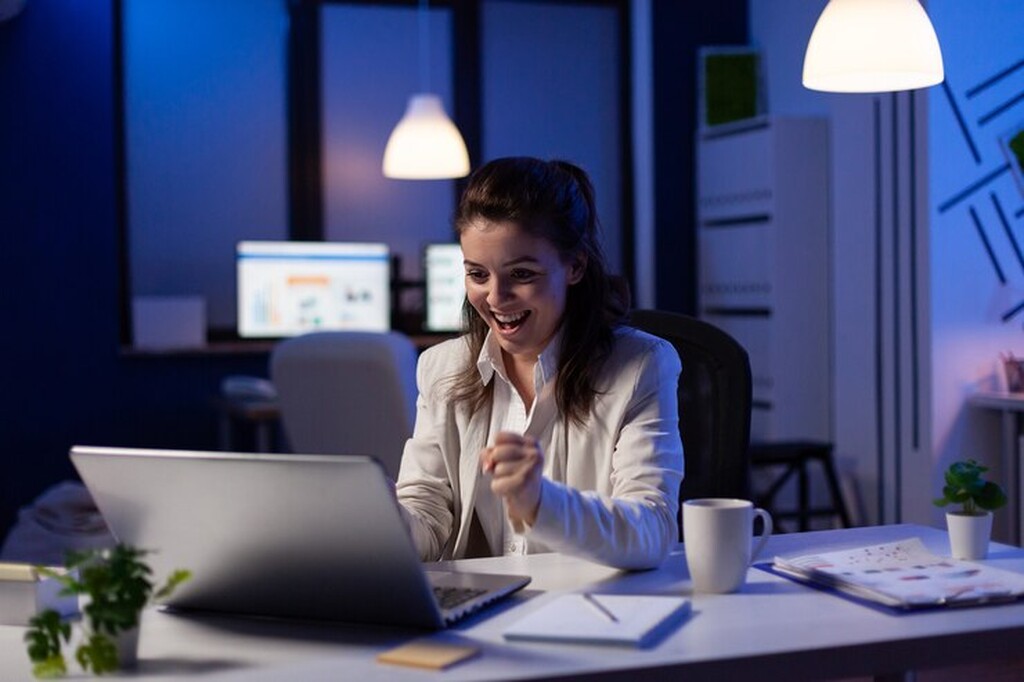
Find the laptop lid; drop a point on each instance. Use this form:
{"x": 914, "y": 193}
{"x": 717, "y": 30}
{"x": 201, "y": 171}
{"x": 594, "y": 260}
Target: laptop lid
{"x": 295, "y": 536}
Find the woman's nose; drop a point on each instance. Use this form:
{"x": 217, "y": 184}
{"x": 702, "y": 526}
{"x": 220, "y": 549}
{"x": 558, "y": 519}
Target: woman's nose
{"x": 500, "y": 291}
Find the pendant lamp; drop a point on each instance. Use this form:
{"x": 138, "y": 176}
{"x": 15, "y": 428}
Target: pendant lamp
{"x": 425, "y": 145}
{"x": 872, "y": 46}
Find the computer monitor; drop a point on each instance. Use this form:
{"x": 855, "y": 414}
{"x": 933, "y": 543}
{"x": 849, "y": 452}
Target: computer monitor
{"x": 445, "y": 278}
{"x": 289, "y": 288}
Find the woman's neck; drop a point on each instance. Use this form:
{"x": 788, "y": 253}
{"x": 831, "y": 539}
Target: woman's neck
{"x": 519, "y": 369}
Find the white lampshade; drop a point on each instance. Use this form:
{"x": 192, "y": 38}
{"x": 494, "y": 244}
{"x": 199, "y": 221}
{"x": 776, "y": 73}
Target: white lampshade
{"x": 872, "y": 46}
{"x": 425, "y": 144}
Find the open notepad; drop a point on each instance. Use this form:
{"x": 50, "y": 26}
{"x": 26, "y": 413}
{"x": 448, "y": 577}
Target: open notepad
{"x": 631, "y": 620}
{"x": 904, "y": 575}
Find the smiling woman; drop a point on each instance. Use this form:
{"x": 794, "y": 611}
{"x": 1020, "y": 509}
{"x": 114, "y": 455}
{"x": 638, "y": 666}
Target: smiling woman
{"x": 517, "y": 283}
{"x": 549, "y": 426}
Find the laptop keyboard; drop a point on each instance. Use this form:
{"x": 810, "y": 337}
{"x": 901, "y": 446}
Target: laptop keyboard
{"x": 451, "y": 597}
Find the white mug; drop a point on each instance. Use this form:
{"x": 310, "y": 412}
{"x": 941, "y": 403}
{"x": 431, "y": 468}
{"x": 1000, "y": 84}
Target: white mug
{"x": 717, "y": 534}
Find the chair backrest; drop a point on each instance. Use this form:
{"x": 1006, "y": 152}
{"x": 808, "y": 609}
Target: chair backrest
{"x": 714, "y": 403}
{"x": 349, "y": 393}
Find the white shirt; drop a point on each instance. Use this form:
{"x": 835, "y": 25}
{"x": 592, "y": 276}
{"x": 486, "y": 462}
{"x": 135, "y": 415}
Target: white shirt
{"x": 509, "y": 413}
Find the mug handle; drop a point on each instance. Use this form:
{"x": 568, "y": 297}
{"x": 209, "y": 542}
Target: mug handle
{"x": 765, "y": 534}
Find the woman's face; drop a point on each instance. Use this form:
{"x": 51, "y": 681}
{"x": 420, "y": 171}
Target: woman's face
{"x": 517, "y": 283}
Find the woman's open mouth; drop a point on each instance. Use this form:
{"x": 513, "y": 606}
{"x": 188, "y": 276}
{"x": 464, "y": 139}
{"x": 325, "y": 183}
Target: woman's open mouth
{"x": 510, "y": 323}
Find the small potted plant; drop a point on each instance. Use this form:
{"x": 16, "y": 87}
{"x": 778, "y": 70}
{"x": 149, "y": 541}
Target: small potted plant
{"x": 971, "y": 526}
{"x": 113, "y": 586}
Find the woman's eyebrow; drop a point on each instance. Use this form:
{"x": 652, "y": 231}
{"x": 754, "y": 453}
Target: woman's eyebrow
{"x": 520, "y": 260}
{"x": 515, "y": 261}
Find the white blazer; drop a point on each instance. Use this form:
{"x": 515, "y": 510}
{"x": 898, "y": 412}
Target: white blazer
{"x": 614, "y": 492}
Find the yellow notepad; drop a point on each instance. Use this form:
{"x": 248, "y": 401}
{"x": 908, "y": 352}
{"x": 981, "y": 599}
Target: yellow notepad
{"x": 423, "y": 653}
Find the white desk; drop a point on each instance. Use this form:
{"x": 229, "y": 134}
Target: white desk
{"x": 1011, "y": 408}
{"x": 774, "y": 629}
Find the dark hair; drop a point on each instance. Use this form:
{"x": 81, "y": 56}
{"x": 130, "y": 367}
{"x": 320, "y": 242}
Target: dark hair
{"x": 553, "y": 200}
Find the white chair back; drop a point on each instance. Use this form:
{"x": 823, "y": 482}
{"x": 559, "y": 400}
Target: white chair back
{"x": 347, "y": 393}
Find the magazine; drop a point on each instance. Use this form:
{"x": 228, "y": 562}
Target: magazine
{"x": 904, "y": 575}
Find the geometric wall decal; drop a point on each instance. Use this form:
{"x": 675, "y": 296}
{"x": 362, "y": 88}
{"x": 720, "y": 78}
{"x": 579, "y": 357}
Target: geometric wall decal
{"x": 992, "y": 80}
{"x": 988, "y": 245}
{"x": 960, "y": 120}
{"x": 972, "y": 188}
{"x": 1007, "y": 229}
{"x": 1005, "y": 106}
{"x": 995, "y": 155}
{"x": 1012, "y": 144}
{"x": 1009, "y": 314}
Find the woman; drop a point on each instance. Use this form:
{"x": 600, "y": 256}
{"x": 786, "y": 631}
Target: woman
{"x": 548, "y": 426}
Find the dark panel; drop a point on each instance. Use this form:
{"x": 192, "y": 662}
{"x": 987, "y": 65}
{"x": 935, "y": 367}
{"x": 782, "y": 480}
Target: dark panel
{"x": 305, "y": 202}
{"x": 627, "y": 200}
{"x": 466, "y": 79}
{"x": 679, "y": 29}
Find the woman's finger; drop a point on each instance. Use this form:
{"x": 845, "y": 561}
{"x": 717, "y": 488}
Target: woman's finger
{"x": 513, "y": 438}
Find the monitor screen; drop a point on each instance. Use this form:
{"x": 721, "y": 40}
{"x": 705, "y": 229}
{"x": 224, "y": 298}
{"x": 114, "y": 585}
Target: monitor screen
{"x": 445, "y": 278}
{"x": 289, "y": 288}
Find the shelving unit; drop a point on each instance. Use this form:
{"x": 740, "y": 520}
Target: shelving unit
{"x": 764, "y": 274}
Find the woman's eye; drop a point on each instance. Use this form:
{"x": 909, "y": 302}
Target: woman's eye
{"x": 476, "y": 275}
{"x": 523, "y": 275}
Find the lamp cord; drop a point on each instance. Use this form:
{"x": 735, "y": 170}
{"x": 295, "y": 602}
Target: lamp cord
{"x": 424, "y": 28}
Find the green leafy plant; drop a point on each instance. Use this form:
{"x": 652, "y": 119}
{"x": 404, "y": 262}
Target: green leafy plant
{"x": 117, "y": 586}
{"x": 966, "y": 487}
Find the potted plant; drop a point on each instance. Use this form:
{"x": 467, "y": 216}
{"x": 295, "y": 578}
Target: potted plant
{"x": 113, "y": 586}
{"x": 971, "y": 526}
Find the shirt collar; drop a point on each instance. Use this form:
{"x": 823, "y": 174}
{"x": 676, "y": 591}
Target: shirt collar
{"x": 489, "y": 361}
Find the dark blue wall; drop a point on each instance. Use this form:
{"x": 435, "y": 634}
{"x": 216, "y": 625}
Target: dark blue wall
{"x": 64, "y": 381}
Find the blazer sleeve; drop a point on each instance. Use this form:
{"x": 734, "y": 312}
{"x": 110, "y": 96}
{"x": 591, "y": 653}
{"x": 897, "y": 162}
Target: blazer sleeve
{"x": 635, "y": 527}
{"x": 424, "y": 487}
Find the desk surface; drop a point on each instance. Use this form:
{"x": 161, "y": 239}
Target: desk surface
{"x": 773, "y": 629}
{"x": 1000, "y": 400}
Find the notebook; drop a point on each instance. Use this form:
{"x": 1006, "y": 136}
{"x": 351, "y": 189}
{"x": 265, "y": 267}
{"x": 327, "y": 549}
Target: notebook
{"x": 623, "y": 619}
{"x": 280, "y": 535}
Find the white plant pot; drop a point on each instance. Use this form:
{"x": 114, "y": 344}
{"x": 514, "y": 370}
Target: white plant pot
{"x": 969, "y": 534}
{"x": 127, "y": 644}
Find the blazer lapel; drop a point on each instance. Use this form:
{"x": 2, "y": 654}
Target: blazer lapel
{"x": 475, "y": 428}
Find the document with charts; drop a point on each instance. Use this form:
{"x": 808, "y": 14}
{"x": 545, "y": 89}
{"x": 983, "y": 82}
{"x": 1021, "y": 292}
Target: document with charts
{"x": 904, "y": 575}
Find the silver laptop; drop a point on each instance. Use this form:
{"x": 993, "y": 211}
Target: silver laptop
{"x": 293, "y": 536}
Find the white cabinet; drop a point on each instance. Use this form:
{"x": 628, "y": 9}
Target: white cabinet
{"x": 764, "y": 264}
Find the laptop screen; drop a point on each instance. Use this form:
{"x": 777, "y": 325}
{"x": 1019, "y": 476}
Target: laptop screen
{"x": 290, "y": 288}
{"x": 283, "y": 535}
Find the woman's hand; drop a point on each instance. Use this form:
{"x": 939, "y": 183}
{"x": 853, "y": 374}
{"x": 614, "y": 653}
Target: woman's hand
{"x": 516, "y": 466}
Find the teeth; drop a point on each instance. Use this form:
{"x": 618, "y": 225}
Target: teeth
{"x": 509, "y": 319}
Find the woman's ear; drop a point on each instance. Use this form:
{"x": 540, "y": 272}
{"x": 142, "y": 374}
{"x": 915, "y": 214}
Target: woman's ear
{"x": 577, "y": 266}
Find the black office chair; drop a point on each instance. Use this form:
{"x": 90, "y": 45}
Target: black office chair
{"x": 714, "y": 403}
